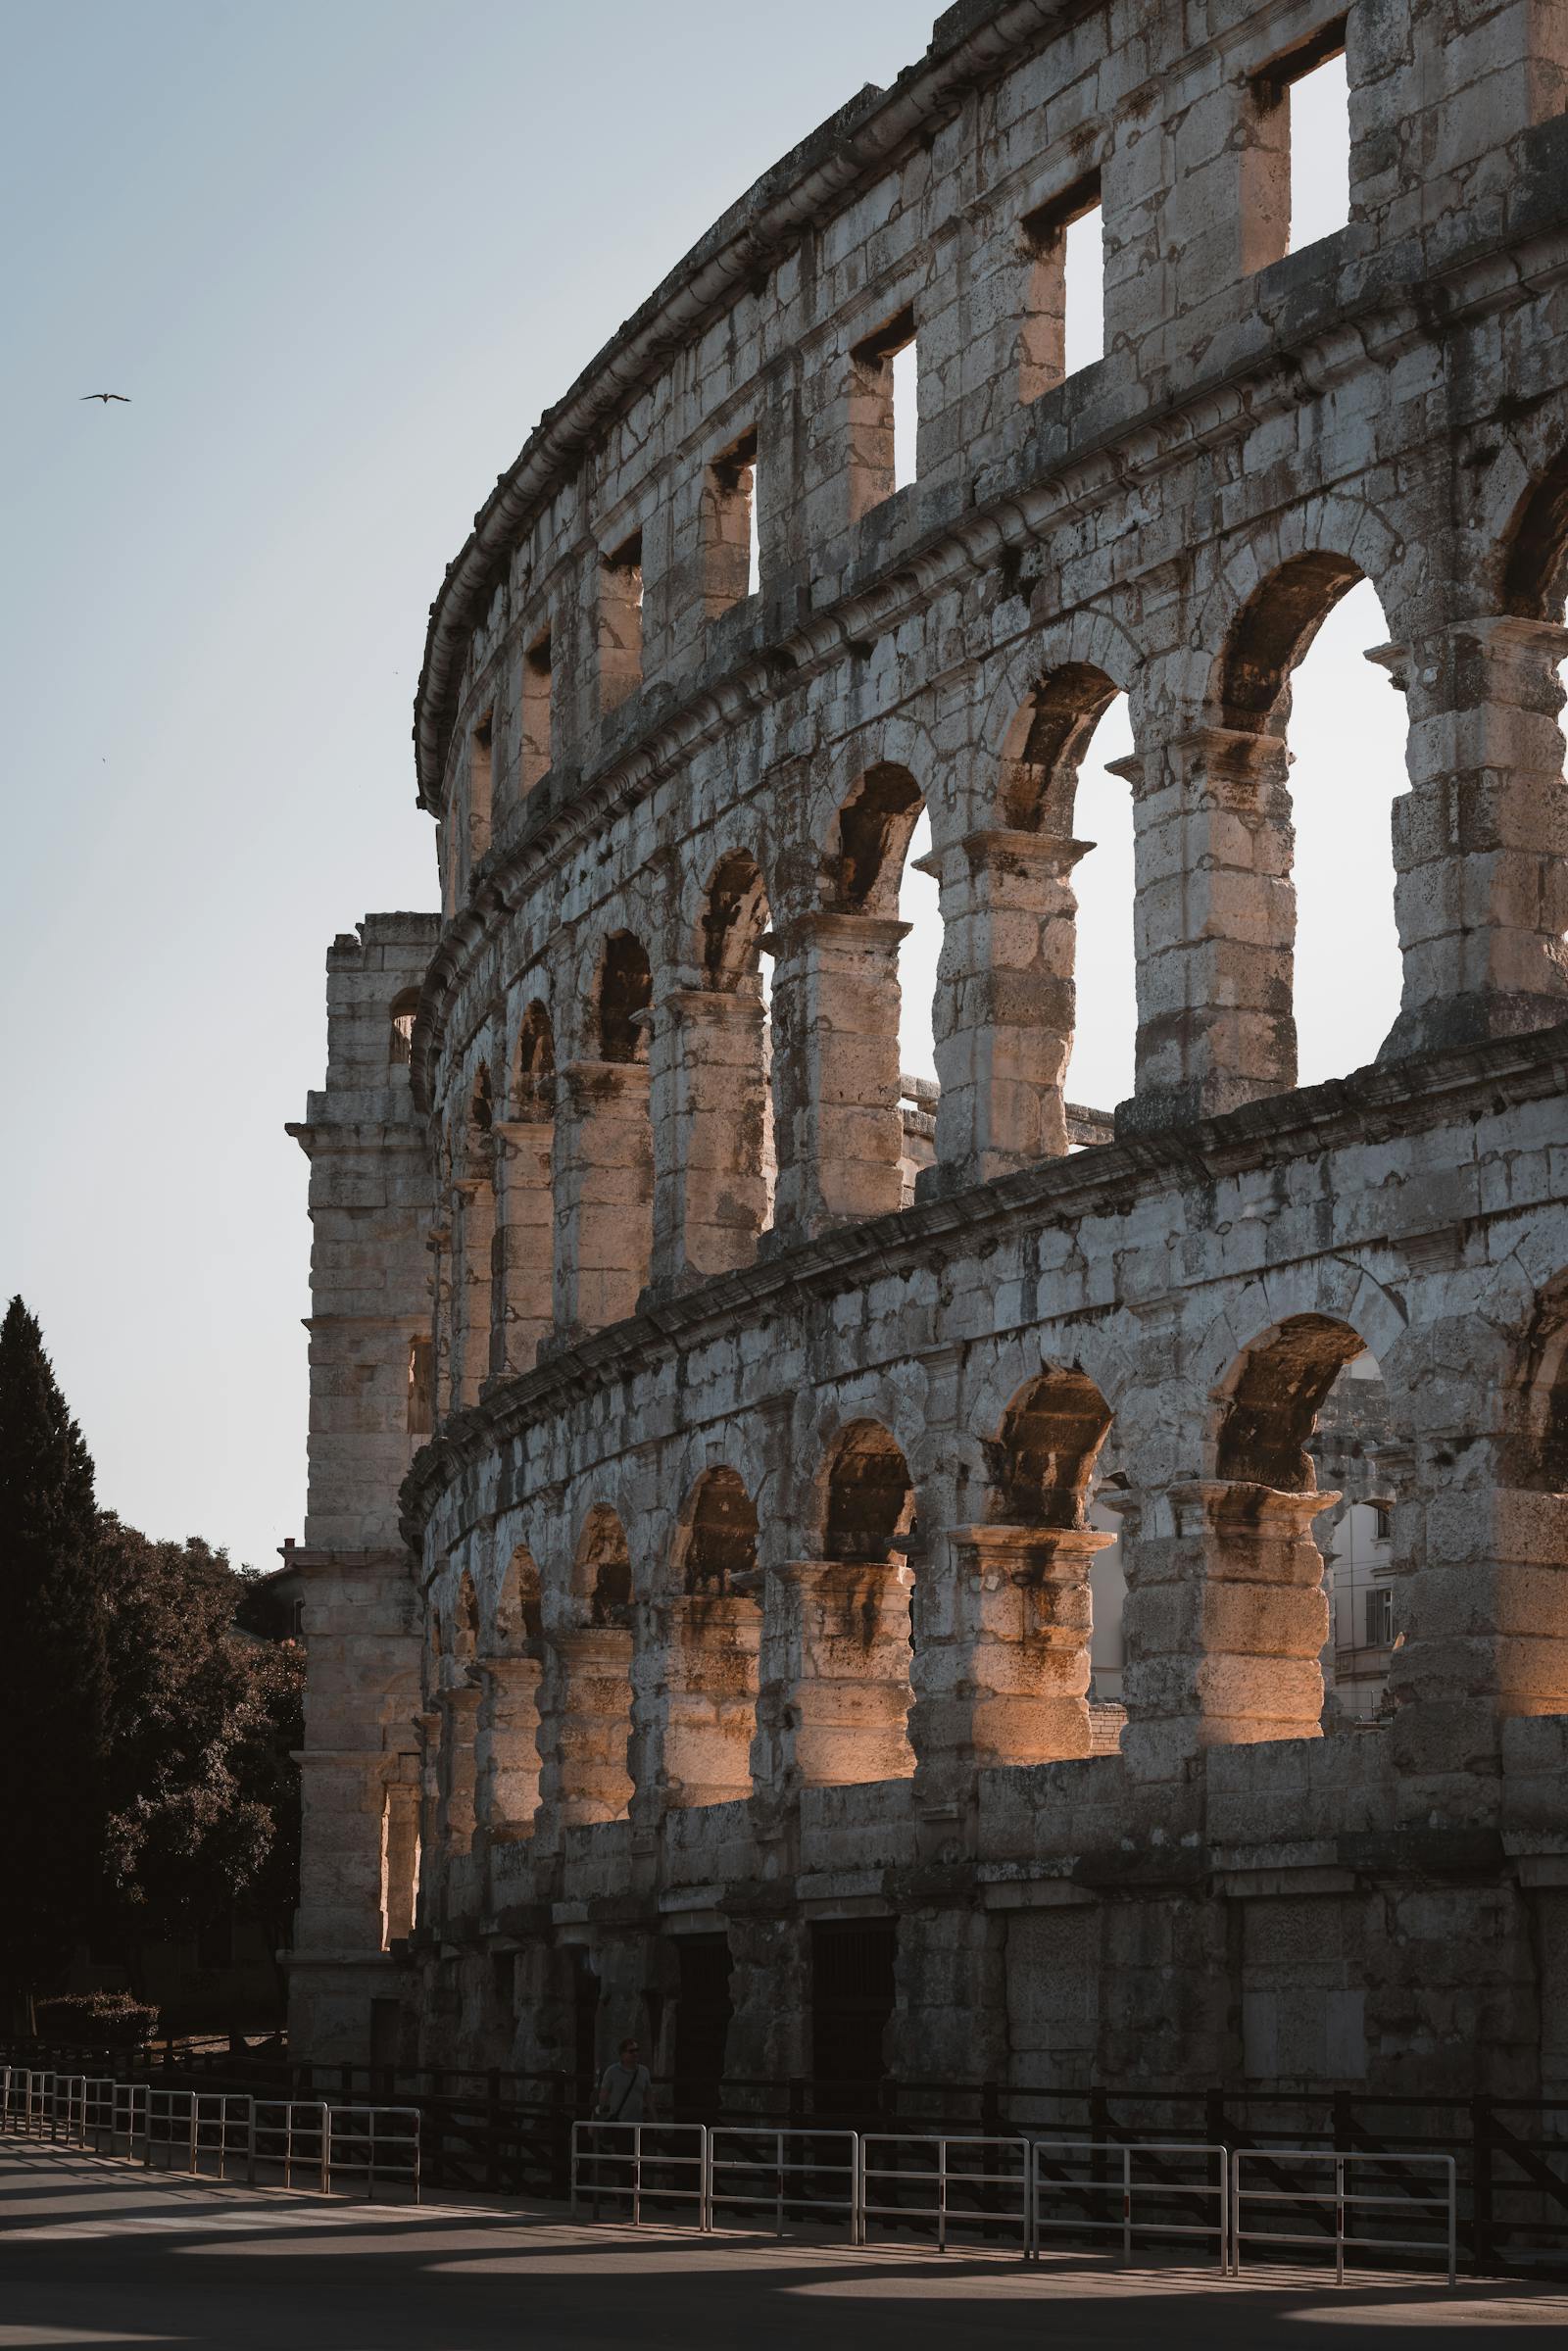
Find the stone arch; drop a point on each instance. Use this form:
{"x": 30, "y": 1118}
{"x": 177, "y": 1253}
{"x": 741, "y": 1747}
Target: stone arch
{"x": 1044, "y": 746}
{"x": 524, "y": 1256}
{"x": 1245, "y": 1537}
{"x": 871, "y": 838}
{"x": 464, "y": 1620}
{"x": 1046, "y": 1449}
{"x": 591, "y": 1732}
{"x": 534, "y": 1091}
{"x": 713, "y": 1638}
{"x": 474, "y": 1241}
{"x": 511, "y": 1669}
{"x": 734, "y": 920}
{"x": 721, "y": 1189}
{"x": 1534, "y": 545}
{"x": 1271, "y": 635}
{"x": 1347, "y": 538}
{"x": 622, "y": 996}
{"x": 851, "y": 1634}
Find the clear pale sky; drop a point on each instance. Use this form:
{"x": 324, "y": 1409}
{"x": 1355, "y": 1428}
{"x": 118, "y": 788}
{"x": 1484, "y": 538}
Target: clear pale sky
{"x": 341, "y": 256}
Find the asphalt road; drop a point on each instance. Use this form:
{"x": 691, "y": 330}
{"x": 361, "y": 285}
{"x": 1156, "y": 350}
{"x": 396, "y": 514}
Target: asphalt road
{"x": 95, "y": 2253}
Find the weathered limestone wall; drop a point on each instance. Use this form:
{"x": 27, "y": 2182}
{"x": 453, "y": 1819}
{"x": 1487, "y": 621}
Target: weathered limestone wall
{"x": 748, "y": 1565}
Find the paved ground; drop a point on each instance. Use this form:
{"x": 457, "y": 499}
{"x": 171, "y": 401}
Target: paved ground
{"x": 95, "y": 2253}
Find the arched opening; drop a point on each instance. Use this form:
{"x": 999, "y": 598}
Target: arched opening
{"x": 625, "y": 993}
{"x": 457, "y": 1765}
{"x": 852, "y": 1698}
{"x": 1066, "y": 782}
{"x": 525, "y": 1251}
{"x": 1268, "y": 1629}
{"x": 593, "y": 1729}
{"x": 712, "y": 1642}
{"x": 1025, "y": 1618}
{"x": 473, "y": 1244}
{"x": 725, "y": 1163}
{"x": 605, "y": 1151}
{"x": 1322, "y": 749}
{"x": 508, "y": 1743}
{"x": 884, "y": 835}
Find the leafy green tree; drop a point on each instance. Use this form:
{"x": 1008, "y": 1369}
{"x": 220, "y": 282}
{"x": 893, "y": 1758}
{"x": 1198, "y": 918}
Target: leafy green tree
{"x": 52, "y": 1792}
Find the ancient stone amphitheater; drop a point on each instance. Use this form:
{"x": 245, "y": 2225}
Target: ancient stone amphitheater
{"x": 715, "y": 1442}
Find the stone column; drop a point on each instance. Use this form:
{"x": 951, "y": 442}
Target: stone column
{"x": 456, "y": 1814}
{"x": 840, "y": 1131}
{"x": 438, "y": 1244}
{"x": 1004, "y": 1001}
{"x": 1484, "y": 1636}
{"x": 587, "y": 1734}
{"x": 710, "y": 1194}
{"x": 525, "y": 1246}
{"x": 1214, "y": 925}
{"x": 1001, "y": 1660}
{"x": 847, "y": 1646}
{"x": 604, "y": 1194}
{"x": 709, "y": 1644}
{"x": 506, "y": 1747}
{"x": 1481, "y": 839}
{"x": 1225, "y": 1623}
{"x": 399, "y": 1854}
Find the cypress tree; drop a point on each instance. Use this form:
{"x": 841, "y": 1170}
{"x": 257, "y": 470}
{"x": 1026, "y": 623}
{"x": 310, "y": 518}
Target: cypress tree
{"x": 51, "y": 1605}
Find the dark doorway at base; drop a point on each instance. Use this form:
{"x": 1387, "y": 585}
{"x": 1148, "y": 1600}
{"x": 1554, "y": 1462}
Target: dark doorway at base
{"x": 703, "y": 2011}
{"x": 852, "y": 2000}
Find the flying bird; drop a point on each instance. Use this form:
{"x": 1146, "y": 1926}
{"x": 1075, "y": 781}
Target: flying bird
{"x": 106, "y": 396}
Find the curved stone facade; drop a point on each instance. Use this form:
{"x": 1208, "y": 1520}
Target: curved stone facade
{"x": 760, "y": 1431}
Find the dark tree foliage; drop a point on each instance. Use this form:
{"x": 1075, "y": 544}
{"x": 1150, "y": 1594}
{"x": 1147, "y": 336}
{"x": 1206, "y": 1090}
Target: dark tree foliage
{"x": 202, "y": 1799}
{"x": 146, "y": 1784}
{"x": 51, "y": 1794}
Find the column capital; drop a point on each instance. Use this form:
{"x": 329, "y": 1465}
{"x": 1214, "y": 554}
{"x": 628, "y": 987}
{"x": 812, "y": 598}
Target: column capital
{"x": 827, "y": 926}
{"x": 1029, "y": 1553}
{"x": 1051, "y": 854}
{"x": 1200, "y": 1503}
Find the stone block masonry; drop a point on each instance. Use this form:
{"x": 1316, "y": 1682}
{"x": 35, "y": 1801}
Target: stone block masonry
{"x": 716, "y": 1443}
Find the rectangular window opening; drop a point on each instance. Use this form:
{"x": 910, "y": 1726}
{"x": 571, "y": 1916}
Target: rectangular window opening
{"x": 481, "y": 749}
{"x": 620, "y": 622}
{"x": 1063, "y": 325}
{"x": 731, "y": 560}
{"x": 535, "y": 712}
{"x": 884, "y": 412}
{"x": 1296, "y": 182}
{"x": 1379, "y": 1618}
{"x": 1319, "y": 139}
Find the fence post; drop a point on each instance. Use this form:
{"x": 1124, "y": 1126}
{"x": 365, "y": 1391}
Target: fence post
{"x": 560, "y": 2085}
{"x": 327, "y": 2148}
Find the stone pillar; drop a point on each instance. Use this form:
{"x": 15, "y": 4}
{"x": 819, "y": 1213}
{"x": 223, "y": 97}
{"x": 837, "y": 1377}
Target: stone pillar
{"x": 1485, "y": 1629}
{"x": 456, "y": 1811}
{"x": 525, "y": 1246}
{"x": 438, "y": 1247}
{"x": 1225, "y": 1623}
{"x": 709, "y": 1644}
{"x": 1215, "y": 926}
{"x": 506, "y": 1747}
{"x": 1481, "y": 839}
{"x": 475, "y": 1225}
{"x": 1001, "y": 1661}
{"x": 399, "y": 1854}
{"x": 840, "y": 1132}
{"x": 604, "y": 1194}
{"x": 586, "y": 1776}
{"x": 711, "y": 1194}
{"x": 1004, "y": 1001}
{"x": 846, "y": 1642}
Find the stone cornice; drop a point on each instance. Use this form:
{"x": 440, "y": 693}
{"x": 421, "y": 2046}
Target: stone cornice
{"x": 1049, "y": 486}
{"x": 1372, "y": 1104}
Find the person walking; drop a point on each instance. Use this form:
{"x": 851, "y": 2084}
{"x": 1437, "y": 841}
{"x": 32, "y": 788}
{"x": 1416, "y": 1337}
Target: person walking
{"x": 626, "y": 2092}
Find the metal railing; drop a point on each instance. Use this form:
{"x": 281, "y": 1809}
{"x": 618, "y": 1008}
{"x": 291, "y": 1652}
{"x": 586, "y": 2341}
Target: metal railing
{"x": 950, "y": 2182}
{"x": 793, "y": 2174}
{"x": 1124, "y": 2191}
{"x": 630, "y": 2164}
{"x": 1340, "y": 2204}
{"x": 217, "y": 2134}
